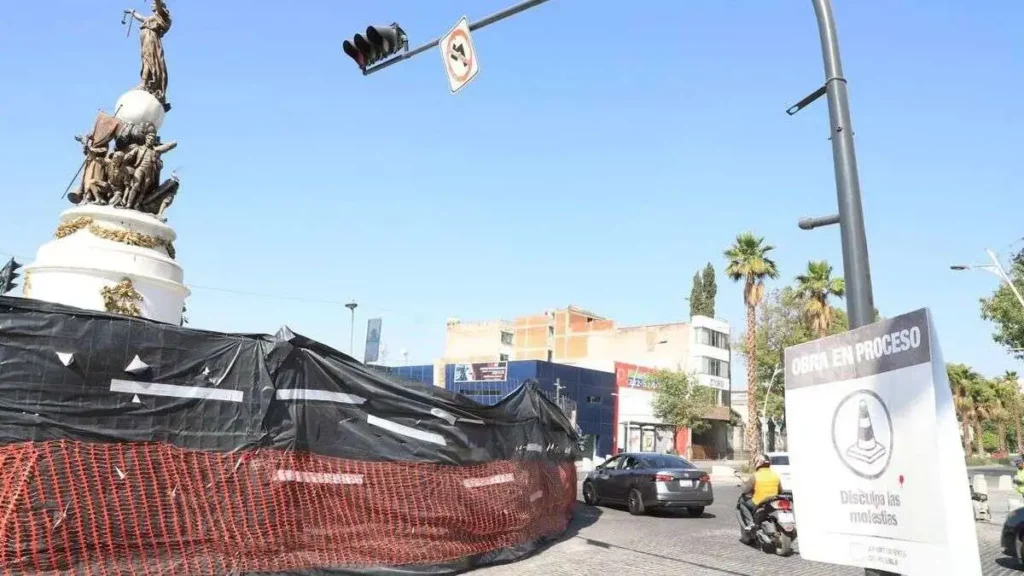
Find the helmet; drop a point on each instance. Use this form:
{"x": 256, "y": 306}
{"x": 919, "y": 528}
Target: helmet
{"x": 762, "y": 461}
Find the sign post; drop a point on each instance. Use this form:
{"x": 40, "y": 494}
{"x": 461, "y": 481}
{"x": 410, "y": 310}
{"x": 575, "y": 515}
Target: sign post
{"x": 459, "y": 56}
{"x": 878, "y": 468}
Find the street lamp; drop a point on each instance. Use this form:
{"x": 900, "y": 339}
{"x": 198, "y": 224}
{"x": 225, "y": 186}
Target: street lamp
{"x": 764, "y": 409}
{"x": 352, "y": 327}
{"x": 995, "y": 268}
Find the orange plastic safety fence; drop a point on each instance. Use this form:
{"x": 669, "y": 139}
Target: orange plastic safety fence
{"x": 147, "y": 509}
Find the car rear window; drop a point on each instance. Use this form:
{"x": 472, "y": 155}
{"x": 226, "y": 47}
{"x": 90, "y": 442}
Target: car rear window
{"x": 667, "y": 461}
{"x": 780, "y": 460}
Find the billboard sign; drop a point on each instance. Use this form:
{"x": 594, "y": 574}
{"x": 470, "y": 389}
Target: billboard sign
{"x": 632, "y": 376}
{"x": 481, "y": 372}
{"x": 372, "y": 352}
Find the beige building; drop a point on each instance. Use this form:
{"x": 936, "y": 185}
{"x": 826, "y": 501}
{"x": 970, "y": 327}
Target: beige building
{"x": 578, "y": 337}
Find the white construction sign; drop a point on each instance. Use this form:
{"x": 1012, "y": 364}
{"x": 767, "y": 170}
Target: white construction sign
{"x": 459, "y": 56}
{"x": 879, "y": 477}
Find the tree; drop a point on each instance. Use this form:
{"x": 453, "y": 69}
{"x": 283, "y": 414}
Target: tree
{"x": 697, "y": 296}
{"x": 815, "y": 287}
{"x": 1007, "y": 396}
{"x": 710, "y": 291}
{"x": 963, "y": 382}
{"x": 680, "y": 401}
{"x": 1007, "y": 313}
{"x": 1016, "y": 409}
{"x": 780, "y": 323}
{"x": 748, "y": 262}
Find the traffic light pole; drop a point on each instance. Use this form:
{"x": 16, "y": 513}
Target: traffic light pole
{"x": 473, "y": 26}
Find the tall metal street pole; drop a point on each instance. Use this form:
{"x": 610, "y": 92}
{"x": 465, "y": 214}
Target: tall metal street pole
{"x": 473, "y": 26}
{"x": 860, "y": 301}
{"x": 352, "y": 328}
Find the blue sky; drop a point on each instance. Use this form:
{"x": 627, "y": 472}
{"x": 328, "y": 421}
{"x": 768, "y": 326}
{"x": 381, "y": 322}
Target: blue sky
{"x": 602, "y": 155}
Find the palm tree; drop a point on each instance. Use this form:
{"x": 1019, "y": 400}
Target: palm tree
{"x": 986, "y": 408}
{"x": 1015, "y": 407}
{"x": 814, "y": 287}
{"x": 1007, "y": 398}
{"x": 748, "y": 261}
{"x": 961, "y": 381}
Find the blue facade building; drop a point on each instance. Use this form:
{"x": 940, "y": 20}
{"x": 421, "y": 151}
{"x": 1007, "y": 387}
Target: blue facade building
{"x": 591, "y": 390}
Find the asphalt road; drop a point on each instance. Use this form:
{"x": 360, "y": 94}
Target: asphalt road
{"x": 611, "y": 541}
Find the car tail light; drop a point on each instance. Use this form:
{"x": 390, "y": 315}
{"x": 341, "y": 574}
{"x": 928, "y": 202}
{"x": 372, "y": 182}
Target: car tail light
{"x": 783, "y": 505}
{"x": 704, "y": 478}
{"x": 663, "y": 478}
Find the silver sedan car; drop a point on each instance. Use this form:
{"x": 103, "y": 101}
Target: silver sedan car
{"x": 643, "y": 481}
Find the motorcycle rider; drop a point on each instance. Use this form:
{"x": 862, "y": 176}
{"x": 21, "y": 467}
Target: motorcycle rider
{"x": 762, "y": 485}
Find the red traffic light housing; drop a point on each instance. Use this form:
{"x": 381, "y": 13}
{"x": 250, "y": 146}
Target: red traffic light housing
{"x": 379, "y": 43}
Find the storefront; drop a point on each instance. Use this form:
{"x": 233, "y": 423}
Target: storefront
{"x": 637, "y": 429}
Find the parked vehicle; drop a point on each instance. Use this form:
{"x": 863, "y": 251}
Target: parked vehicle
{"x": 780, "y": 465}
{"x": 774, "y": 527}
{"x": 643, "y": 481}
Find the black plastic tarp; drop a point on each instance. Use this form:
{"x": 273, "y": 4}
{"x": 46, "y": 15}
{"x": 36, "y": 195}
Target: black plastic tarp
{"x": 70, "y": 377}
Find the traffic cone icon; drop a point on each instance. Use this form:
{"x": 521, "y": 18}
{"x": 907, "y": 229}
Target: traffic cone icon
{"x": 866, "y": 449}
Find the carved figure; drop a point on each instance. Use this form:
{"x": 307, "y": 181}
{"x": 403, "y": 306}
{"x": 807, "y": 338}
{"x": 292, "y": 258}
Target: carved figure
{"x": 151, "y": 33}
{"x": 146, "y": 164}
{"x": 91, "y": 187}
{"x": 119, "y": 178}
{"x": 161, "y": 198}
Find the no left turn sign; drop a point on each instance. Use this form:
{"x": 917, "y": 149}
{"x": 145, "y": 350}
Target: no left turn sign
{"x": 459, "y": 56}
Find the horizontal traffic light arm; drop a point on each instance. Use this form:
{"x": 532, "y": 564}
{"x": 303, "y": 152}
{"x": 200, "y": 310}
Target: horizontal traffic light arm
{"x": 497, "y": 16}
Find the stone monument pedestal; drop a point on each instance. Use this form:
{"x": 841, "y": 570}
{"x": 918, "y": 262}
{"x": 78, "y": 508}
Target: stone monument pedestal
{"x": 112, "y": 260}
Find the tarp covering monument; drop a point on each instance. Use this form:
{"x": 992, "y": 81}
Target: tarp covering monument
{"x": 129, "y": 446}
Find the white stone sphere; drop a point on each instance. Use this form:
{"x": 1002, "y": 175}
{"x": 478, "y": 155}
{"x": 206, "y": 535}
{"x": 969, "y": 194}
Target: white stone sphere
{"x": 138, "y": 106}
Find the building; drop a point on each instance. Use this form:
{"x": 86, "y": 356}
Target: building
{"x": 576, "y": 337}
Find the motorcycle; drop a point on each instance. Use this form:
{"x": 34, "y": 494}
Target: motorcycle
{"x": 774, "y": 526}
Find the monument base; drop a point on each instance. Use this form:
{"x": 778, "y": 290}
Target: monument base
{"x": 112, "y": 260}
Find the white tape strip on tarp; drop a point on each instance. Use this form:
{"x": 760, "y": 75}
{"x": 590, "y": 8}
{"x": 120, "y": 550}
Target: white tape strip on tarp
{"x": 317, "y": 477}
{"x": 404, "y": 430}
{"x": 175, "y": 390}
{"x": 536, "y": 496}
{"x": 534, "y": 448}
{"x": 309, "y": 394}
{"x": 489, "y": 480}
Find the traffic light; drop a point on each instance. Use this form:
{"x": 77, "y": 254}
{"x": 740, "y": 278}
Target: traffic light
{"x": 7, "y": 275}
{"x": 379, "y": 43}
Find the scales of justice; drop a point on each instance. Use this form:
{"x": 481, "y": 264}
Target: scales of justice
{"x": 114, "y": 251}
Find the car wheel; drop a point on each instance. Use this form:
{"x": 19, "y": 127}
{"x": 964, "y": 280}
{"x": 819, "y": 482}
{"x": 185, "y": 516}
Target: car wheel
{"x": 1018, "y": 548}
{"x": 636, "y": 503}
{"x": 589, "y": 494}
{"x": 695, "y": 511}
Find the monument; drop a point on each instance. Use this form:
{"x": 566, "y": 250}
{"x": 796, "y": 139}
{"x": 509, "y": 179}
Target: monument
{"x": 114, "y": 251}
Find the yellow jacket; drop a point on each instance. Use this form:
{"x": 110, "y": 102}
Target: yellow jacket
{"x": 766, "y": 485}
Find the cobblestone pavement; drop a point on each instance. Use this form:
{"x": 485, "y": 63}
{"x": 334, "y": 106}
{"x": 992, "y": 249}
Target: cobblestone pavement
{"x": 611, "y": 541}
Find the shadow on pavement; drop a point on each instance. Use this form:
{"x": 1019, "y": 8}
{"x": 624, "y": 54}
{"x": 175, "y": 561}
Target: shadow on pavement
{"x": 1009, "y": 563}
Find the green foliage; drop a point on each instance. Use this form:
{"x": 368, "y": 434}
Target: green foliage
{"x": 780, "y": 323}
{"x": 697, "y": 296}
{"x": 710, "y": 288}
{"x": 680, "y": 401}
{"x": 990, "y": 441}
{"x": 814, "y": 287}
{"x": 1005, "y": 311}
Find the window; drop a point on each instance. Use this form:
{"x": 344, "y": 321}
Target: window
{"x": 709, "y": 337}
{"x": 506, "y": 338}
{"x": 481, "y": 392}
{"x": 713, "y": 367}
{"x": 779, "y": 460}
{"x": 551, "y": 331}
{"x": 502, "y": 357}
{"x": 593, "y": 399}
{"x": 549, "y": 355}
{"x": 611, "y": 463}
{"x": 668, "y": 461}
